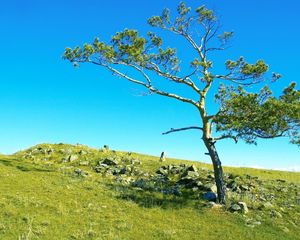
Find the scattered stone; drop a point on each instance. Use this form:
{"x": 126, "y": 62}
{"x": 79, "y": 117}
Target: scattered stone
{"x": 192, "y": 168}
{"x": 72, "y": 158}
{"x": 275, "y": 214}
{"x": 80, "y": 172}
{"x": 162, "y": 171}
{"x": 109, "y": 162}
{"x": 190, "y": 174}
{"x": 82, "y": 152}
{"x": 235, "y": 207}
{"x": 210, "y": 187}
{"x": 214, "y": 205}
{"x": 211, "y": 176}
{"x": 267, "y": 205}
{"x": 244, "y": 187}
{"x": 140, "y": 183}
{"x": 84, "y": 163}
{"x": 243, "y": 206}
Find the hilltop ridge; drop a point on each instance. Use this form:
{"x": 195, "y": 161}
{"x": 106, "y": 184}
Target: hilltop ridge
{"x": 76, "y": 192}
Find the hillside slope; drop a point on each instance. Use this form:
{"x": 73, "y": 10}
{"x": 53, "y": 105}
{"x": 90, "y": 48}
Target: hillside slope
{"x": 60, "y": 191}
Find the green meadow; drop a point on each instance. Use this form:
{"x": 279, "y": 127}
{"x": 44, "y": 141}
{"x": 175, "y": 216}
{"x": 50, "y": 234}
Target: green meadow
{"x": 61, "y": 191}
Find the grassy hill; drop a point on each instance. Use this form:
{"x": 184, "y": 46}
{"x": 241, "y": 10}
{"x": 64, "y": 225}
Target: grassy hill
{"x": 60, "y": 191}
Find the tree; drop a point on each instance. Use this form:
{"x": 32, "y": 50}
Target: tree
{"x": 241, "y": 115}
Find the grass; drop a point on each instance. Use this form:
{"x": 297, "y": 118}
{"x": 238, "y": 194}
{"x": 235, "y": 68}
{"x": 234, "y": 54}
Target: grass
{"x": 44, "y": 199}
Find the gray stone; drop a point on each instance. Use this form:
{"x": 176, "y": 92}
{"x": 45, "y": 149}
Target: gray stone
{"x": 110, "y": 162}
{"x": 82, "y": 152}
{"x": 268, "y": 205}
{"x": 192, "y": 168}
{"x": 80, "y": 172}
{"x": 235, "y": 207}
{"x": 72, "y": 157}
{"x": 214, "y": 205}
{"x": 244, "y": 207}
{"x": 140, "y": 183}
{"x": 244, "y": 187}
{"x": 84, "y": 163}
{"x": 276, "y": 214}
{"x": 162, "y": 171}
{"x": 191, "y": 174}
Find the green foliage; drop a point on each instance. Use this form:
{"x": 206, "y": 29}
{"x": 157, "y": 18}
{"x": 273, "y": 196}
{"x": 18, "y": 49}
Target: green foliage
{"x": 205, "y": 14}
{"x": 242, "y": 70}
{"x": 259, "y": 115}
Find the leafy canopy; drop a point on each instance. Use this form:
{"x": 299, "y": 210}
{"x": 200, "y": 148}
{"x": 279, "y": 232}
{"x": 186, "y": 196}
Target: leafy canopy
{"x": 242, "y": 115}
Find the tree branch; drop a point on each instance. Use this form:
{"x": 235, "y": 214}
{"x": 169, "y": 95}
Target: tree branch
{"x": 235, "y": 138}
{"x": 148, "y": 86}
{"x": 172, "y": 130}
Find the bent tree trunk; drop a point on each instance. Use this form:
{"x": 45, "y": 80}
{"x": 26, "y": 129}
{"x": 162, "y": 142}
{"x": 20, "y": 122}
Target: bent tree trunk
{"x": 218, "y": 170}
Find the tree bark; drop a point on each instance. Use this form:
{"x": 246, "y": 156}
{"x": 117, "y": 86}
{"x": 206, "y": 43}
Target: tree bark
{"x": 218, "y": 170}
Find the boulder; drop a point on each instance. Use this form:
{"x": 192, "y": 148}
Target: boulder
{"x": 235, "y": 207}
{"x": 72, "y": 158}
{"x": 110, "y": 162}
{"x": 162, "y": 171}
{"x": 192, "y": 168}
{"x": 243, "y": 206}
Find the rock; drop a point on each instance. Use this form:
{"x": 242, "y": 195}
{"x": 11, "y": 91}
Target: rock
{"x": 243, "y": 206}
{"x": 210, "y": 187}
{"x": 199, "y": 184}
{"x": 122, "y": 170}
{"x": 211, "y": 176}
{"x": 135, "y": 162}
{"x": 210, "y": 196}
{"x": 80, "y": 172}
{"x": 268, "y": 205}
{"x": 276, "y": 214}
{"x": 244, "y": 187}
{"x": 82, "y": 152}
{"x": 235, "y": 207}
{"x": 253, "y": 224}
{"x": 192, "y": 168}
{"x": 72, "y": 157}
{"x": 140, "y": 183}
{"x": 49, "y": 151}
{"x": 84, "y": 163}
{"x": 214, "y": 205}
{"x": 162, "y": 171}
{"x": 191, "y": 174}
{"x": 109, "y": 162}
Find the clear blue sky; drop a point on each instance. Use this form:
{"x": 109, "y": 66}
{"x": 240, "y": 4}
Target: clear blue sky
{"x": 45, "y": 99}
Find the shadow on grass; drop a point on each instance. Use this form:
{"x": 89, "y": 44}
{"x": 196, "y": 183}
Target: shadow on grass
{"x": 153, "y": 199}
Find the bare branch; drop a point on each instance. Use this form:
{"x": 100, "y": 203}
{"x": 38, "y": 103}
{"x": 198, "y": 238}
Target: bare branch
{"x": 172, "y": 130}
{"x": 185, "y": 80}
{"x": 148, "y": 85}
{"x": 235, "y": 138}
{"x": 237, "y": 80}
